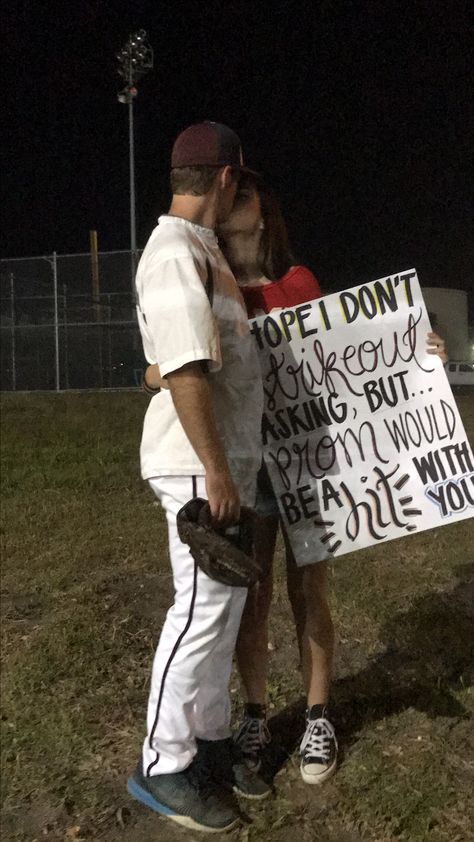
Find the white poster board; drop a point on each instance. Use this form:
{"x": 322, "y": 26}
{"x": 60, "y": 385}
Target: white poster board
{"x": 362, "y": 437}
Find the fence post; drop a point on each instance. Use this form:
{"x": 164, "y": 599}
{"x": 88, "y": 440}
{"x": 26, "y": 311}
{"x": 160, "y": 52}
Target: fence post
{"x": 109, "y": 344}
{"x": 66, "y": 339}
{"x": 56, "y": 319}
{"x": 12, "y": 315}
{"x": 96, "y": 299}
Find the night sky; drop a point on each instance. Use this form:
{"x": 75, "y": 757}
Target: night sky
{"x": 358, "y": 113}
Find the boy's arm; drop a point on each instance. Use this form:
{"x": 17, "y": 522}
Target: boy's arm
{"x": 192, "y": 400}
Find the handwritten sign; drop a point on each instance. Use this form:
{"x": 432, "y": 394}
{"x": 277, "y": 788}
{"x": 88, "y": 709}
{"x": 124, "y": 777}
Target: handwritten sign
{"x": 362, "y": 437}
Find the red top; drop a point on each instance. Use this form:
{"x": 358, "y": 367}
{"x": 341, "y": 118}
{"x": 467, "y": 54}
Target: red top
{"x": 296, "y": 287}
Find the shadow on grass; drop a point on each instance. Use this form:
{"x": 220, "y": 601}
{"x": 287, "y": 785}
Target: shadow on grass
{"x": 429, "y": 653}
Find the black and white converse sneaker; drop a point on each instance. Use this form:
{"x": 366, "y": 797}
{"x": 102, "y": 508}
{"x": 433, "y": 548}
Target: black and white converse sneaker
{"x": 318, "y": 749}
{"x": 251, "y": 738}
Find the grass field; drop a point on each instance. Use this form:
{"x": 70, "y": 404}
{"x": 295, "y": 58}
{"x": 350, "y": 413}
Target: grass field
{"x": 85, "y": 588}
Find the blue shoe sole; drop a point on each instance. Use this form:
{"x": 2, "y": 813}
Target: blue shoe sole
{"x": 145, "y": 797}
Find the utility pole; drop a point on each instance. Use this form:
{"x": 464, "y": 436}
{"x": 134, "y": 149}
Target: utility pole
{"x": 135, "y": 59}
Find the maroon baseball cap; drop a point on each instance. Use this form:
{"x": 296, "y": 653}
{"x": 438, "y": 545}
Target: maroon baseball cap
{"x": 208, "y": 144}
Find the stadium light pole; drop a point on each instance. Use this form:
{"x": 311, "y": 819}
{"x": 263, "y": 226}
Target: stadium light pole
{"x": 135, "y": 59}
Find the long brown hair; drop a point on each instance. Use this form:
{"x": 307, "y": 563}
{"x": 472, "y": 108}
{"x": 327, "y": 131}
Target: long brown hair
{"x": 274, "y": 254}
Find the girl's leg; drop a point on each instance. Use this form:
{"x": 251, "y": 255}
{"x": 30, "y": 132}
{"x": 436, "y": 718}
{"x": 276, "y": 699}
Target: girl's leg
{"x": 307, "y": 590}
{"x": 318, "y": 640}
{"x": 252, "y": 653}
{"x": 252, "y": 642}
{"x": 294, "y": 586}
{"x": 307, "y": 587}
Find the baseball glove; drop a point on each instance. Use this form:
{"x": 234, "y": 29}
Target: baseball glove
{"x": 224, "y": 556}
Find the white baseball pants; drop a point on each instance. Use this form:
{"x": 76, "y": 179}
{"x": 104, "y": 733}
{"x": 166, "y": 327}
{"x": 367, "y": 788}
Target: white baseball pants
{"x": 189, "y": 694}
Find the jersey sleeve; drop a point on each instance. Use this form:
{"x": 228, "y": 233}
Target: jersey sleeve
{"x": 176, "y": 317}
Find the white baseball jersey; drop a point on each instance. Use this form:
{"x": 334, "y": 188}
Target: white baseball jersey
{"x": 181, "y": 268}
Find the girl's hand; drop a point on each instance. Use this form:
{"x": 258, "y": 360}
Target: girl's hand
{"x": 152, "y": 379}
{"x": 437, "y": 346}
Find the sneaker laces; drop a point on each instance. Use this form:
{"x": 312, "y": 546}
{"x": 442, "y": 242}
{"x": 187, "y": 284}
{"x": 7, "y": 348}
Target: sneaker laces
{"x": 252, "y": 735}
{"x": 316, "y": 743}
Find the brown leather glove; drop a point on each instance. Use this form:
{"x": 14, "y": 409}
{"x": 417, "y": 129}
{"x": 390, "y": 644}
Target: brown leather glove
{"x": 226, "y": 556}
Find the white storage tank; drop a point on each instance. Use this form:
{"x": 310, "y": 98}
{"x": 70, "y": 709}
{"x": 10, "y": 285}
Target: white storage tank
{"x": 447, "y": 309}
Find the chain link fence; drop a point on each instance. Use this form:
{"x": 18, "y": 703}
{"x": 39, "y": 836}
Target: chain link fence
{"x": 69, "y": 322}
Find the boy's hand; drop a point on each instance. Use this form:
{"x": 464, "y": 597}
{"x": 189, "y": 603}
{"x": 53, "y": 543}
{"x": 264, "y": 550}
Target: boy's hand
{"x": 223, "y": 497}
